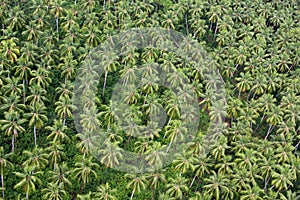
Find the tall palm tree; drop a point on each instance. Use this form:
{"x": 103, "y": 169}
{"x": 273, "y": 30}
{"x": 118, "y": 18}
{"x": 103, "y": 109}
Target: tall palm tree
{"x": 54, "y": 192}
{"x": 37, "y": 117}
{"x": 36, "y": 158}
{"x": 176, "y": 187}
{"x": 12, "y": 125}
{"x": 57, "y": 132}
{"x": 84, "y": 169}
{"x": 216, "y": 185}
{"x": 105, "y": 192}
{"x": 60, "y": 175}
{"x": 64, "y": 108}
{"x": 28, "y": 179}
{"x": 175, "y": 132}
{"x": 155, "y": 179}
{"x": 10, "y": 50}
{"x": 136, "y": 183}
{"x": 55, "y": 153}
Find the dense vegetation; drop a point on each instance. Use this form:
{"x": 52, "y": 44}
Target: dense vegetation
{"x": 255, "y": 45}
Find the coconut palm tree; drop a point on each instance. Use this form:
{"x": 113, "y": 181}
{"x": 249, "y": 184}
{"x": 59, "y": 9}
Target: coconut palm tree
{"x": 36, "y": 158}
{"x": 105, "y": 192}
{"x": 64, "y": 108}
{"x": 176, "y": 187}
{"x": 136, "y": 183}
{"x": 12, "y": 125}
{"x": 28, "y": 179}
{"x": 60, "y": 175}
{"x": 37, "y": 118}
{"x": 55, "y": 153}
{"x": 54, "y": 192}
{"x": 84, "y": 170}
{"x": 57, "y": 132}
{"x": 216, "y": 185}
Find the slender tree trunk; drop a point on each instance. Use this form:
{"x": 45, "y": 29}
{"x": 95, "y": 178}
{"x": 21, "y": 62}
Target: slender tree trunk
{"x": 27, "y": 195}
{"x": 215, "y": 30}
{"x": 81, "y": 186}
{"x": 186, "y": 24}
{"x": 13, "y": 143}
{"x": 268, "y": 133}
{"x": 2, "y": 185}
{"x": 193, "y": 181}
{"x": 169, "y": 146}
{"x": 132, "y": 194}
{"x": 64, "y": 122}
{"x": 34, "y": 134}
{"x": 266, "y": 183}
{"x": 24, "y": 92}
{"x": 56, "y": 19}
{"x": 105, "y": 77}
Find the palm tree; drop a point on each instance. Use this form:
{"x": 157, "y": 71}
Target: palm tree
{"x": 216, "y": 185}
{"x": 57, "y": 132}
{"x": 176, "y": 187}
{"x": 28, "y": 179}
{"x": 274, "y": 118}
{"x": 283, "y": 178}
{"x": 9, "y": 50}
{"x": 202, "y": 167}
{"x": 57, "y": 9}
{"x": 55, "y": 153}
{"x": 184, "y": 162}
{"x": 64, "y": 108}
{"x": 110, "y": 155}
{"x": 84, "y": 169}
{"x": 155, "y": 179}
{"x": 4, "y": 164}
{"x": 37, "y": 95}
{"x": 23, "y": 70}
{"x": 136, "y": 183}
{"x": 40, "y": 77}
{"x": 252, "y": 193}
{"x": 12, "y": 125}
{"x": 105, "y": 193}
{"x": 60, "y": 174}
{"x": 175, "y": 132}
{"x": 37, "y": 118}
{"x": 36, "y": 158}
{"x": 54, "y": 192}
{"x": 12, "y": 104}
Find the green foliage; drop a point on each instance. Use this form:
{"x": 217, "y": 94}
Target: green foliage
{"x": 255, "y": 46}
